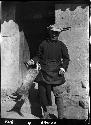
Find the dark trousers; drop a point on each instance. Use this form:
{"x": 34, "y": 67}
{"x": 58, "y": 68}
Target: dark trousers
{"x": 45, "y": 95}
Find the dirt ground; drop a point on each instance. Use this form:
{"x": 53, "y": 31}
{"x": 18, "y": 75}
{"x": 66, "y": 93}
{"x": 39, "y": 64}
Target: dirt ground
{"x": 31, "y": 109}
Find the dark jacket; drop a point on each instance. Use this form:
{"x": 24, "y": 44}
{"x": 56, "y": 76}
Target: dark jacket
{"x": 52, "y": 56}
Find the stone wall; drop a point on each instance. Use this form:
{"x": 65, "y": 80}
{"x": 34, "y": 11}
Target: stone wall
{"x": 76, "y": 94}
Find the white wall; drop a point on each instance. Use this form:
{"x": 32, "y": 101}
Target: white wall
{"x": 14, "y": 51}
{"x": 77, "y": 42}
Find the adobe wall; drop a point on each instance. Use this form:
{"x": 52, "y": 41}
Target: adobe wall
{"x": 76, "y": 90}
{"x": 14, "y": 52}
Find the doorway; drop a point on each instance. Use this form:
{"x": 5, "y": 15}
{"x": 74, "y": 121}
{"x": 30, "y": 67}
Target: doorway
{"x": 33, "y": 18}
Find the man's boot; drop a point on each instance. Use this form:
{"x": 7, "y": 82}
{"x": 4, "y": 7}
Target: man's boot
{"x": 17, "y": 107}
{"x": 60, "y": 107}
{"x": 47, "y": 113}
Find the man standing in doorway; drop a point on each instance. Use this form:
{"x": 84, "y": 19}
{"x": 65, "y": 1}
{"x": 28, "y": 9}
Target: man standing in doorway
{"x": 54, "y": 59}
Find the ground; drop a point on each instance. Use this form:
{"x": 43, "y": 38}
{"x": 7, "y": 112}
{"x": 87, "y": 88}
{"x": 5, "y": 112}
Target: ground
{"x": 31, "y": 109}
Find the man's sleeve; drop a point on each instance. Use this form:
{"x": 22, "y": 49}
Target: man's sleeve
{"x": 65, "y": 57}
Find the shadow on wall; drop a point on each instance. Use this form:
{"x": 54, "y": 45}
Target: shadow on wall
{"x": 35, "y": 102}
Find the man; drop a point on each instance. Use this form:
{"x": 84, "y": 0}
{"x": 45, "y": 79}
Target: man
{"x": 54, "y": 59}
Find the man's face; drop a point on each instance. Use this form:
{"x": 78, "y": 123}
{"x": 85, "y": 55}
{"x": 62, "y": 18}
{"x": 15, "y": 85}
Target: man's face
{"x": 54, "y": 35}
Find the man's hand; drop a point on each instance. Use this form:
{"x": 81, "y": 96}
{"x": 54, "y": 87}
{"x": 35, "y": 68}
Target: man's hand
{"x": 38, "y": 66}
{"x": 61, "y": 71}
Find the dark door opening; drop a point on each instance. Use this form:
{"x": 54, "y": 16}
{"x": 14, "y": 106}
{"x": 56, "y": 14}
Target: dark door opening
{"x": 33, "y": 18}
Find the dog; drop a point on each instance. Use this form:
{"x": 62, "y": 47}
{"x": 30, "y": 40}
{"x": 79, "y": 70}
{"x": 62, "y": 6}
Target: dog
{"x": 22, "y": 92}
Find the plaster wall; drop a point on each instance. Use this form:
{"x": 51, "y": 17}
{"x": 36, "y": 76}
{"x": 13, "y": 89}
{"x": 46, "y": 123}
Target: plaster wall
{"x": 14, "y": 52}
{"x": 76, "y": 92}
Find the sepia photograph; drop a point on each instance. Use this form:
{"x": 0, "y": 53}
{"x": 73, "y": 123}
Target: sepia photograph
{"x": 45, "y": 60}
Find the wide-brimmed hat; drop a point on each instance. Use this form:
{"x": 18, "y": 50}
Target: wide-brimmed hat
{"x": 54, "y": 28}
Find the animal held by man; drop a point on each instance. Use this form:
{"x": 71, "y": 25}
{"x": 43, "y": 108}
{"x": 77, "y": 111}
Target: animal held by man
{"x": 22, "y": 93}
